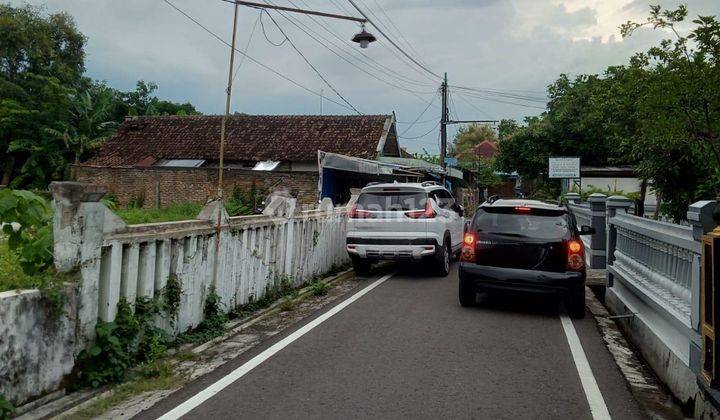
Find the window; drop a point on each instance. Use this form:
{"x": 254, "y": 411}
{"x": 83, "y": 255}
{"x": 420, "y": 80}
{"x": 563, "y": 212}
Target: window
{"x": 507, "y": 222}
{"x": 181, "y": 163}
{"x": 392, "y": 201}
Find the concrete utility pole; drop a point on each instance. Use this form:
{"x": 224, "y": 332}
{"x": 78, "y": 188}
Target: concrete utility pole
{"x": 443, "y": 126}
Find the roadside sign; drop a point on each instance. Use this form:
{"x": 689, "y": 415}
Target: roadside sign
{"x": 564, "y": 167}
{"x": 451, "y": 161}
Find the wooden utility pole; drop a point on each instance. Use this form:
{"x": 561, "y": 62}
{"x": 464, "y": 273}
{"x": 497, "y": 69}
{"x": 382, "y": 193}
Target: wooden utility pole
{"x": 443, "y": 126}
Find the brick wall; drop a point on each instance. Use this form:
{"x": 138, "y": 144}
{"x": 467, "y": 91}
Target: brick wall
{"x": 162, "y": 186}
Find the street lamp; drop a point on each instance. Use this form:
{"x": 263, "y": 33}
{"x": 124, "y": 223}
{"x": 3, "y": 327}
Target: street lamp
{"x": 364, "y": 38}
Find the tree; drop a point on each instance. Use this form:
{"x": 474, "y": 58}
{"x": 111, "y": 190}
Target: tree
{"x": 467, "y": 139}
{"x": 40, "y": 58}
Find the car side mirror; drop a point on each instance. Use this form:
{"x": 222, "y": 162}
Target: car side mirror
{"x": 587, "y": 230}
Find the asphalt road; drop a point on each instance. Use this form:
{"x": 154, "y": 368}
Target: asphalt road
{"x": 406, "y": 349}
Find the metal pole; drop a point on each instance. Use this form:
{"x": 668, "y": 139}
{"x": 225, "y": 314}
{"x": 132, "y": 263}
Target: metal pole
{"x": 222, "y": 150}
{"x": 443, "y": 128}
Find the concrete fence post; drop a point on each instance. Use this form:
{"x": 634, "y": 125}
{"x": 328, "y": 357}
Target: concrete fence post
{"x": 613, "y": 205}
{"x": 700, "y": 217}
{"x": 573, "y": 198}
{"x": 598, "y": 240}
{"x": 78, "y": 223}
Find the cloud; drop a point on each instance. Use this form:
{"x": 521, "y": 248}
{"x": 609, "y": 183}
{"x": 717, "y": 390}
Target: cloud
{"x": 521, "y": 45}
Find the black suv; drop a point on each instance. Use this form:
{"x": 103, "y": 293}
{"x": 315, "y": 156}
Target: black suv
{"x": 524, "y": 245}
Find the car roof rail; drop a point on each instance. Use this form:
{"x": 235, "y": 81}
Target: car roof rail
{"x": 492, "y": 199}
{"x": 429, "y": 183}
{"x": 370, "y": 184}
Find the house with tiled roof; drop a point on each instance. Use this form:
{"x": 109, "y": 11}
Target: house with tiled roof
{"x": 486, "y": 149}
{"x": 158, "y": 160}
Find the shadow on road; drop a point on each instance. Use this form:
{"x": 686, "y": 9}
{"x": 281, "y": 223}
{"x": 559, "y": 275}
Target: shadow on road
{"x": 521, "y": 303}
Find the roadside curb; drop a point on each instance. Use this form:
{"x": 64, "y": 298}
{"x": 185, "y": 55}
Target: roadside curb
{"x": 647, "y": 390}
{"x": 66, "y": 405}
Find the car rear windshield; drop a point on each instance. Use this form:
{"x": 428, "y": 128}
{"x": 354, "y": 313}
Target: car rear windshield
{"x": 392, "y": 200}
{"x": 534, "y": 224}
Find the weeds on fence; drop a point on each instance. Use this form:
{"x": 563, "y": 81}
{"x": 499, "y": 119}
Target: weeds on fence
{"x": 213, "y": 324}
{"x": 6, "y": 409}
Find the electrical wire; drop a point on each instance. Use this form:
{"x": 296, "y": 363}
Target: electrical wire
{"x": 420, "y": 115}
{"x": 370, "y": 60}
{"x": 423, "y": 135}
{"x": 402, "y": 36}
{"x": 247, "y": 46}
{"x": 259, "y": 63}
{"x": 299, "y": 26}
{"x": 462, "y": 98}
{"x": 393, "y": 42}
{"x": 265, "y": 33}
{"x": 320, "y": 75}
{"x": 499, "y": 100}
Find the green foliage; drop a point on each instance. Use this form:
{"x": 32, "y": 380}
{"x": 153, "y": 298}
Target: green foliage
{"x": 319, "y": 288}
{"x": 467, "y": 139}
{"x": 288, "y": 304}
{"x": 660, "y": 112}
{"x": 427, "y": 157}
{"x": 51, "y": 114}
{"x": 244, "y": 203}
{"x": 591, "y": 189}
{"x": 213, "y": 324}
{"x": 172, "y": 293}
{"x": 280, "y": 287}
{"x": 31, "y": 237}
{"x": 6, "y": 409}
{"x": 129, "y": 340}
{"x": 170, "y": 213}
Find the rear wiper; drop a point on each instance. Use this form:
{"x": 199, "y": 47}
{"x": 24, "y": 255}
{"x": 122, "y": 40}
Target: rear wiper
{"x": 517, "y": 235}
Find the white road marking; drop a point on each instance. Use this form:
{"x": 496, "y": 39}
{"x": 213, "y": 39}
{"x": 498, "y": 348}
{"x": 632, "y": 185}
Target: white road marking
{"x": 238, "y": 373}
{"x": 598, "y": 409}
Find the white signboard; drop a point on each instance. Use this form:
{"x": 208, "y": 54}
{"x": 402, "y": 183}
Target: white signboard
{"x": 564, "y": 167}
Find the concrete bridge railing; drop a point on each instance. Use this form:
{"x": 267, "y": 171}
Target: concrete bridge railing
{"x": 111, "y": 261}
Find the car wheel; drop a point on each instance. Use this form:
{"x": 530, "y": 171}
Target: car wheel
{"x": 361, "y": 267}
{"x": 442, "y": 259}
{"x": 466, "y": 293}
{"x": 576, "y": 303}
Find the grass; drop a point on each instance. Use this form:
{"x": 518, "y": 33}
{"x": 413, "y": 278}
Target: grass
{"x": 171, "y": 213}
{"x": 12, "y": 276}
{"x": 166, "y": 379}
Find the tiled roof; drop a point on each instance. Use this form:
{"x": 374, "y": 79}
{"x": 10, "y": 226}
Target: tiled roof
{"x": 486, "y": 149}
{"x": 249, "y": 138}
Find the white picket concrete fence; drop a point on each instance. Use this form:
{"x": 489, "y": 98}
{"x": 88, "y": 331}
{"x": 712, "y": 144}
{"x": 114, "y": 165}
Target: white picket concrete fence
{"x": 254, "y": 251}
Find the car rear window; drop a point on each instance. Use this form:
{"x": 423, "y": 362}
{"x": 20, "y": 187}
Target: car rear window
{"x": 392, "y": 200}
{"x": 534, "y": 224}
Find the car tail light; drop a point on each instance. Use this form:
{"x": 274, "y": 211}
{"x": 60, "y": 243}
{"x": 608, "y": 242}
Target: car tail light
{"x": 576, "y": 255}
{"x": 427, "y": 213}
{"x": 355, "y": 213}
{"x": 523, "y": 209}
{"x": 468, "y": 249}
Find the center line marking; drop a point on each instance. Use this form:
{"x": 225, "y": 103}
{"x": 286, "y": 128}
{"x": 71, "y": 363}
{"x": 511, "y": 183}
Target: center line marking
{"x": 238, "y": 373}
{"x": 594, "y": 397}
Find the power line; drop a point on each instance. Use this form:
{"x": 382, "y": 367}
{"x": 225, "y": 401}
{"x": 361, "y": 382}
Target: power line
{"x": 408, "y": 43}
{"x": 265, "y": 33}
{"x": 370, "y": 60}
{"x": 499, "y": 92}
{"x": 393, "y": 42}
{"x": 389, "y": 72}
{"x": 499, "y": 100}
{"x": 473, "y": 105}
{"x": 247, "y": 46}
{"x": 298, "y": 25}
{"x": 272, "y": 70}
{"x": 423, "y": 135}
{"x": 312, "y": 66}
{"x": 420, "y": 115}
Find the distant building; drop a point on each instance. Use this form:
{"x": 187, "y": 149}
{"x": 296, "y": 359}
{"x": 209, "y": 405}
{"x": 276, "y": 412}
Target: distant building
{"x": 158, "y": 160}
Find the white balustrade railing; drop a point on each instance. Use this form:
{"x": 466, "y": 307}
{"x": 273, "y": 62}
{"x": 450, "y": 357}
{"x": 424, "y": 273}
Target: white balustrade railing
{"x": 657, "y": 259}
{"x": 254, "y": 251}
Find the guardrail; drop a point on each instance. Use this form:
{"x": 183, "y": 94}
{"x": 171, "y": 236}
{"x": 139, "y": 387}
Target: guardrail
{"x": 250, "y": 254}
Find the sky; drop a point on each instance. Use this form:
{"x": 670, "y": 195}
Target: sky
{"x": 514, "y": 48}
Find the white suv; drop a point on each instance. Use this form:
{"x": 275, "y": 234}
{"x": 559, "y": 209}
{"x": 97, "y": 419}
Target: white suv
{"x": 404, "y": 221}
